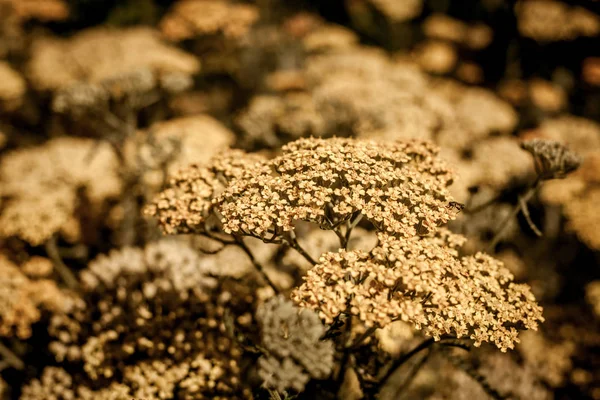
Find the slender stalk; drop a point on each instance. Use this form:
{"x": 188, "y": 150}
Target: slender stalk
{"x": 257, "y": 265}
{"x": 482, "y": 206}
{"x": 523, "y": 200}
{"x": 527, "y": 216}
{"x": 341, "y": 237}
{"x": 366, "y": 334}
{"x": 65, "y": 272}
{"x": 351, "y": 226}
{"x": 400, "y": 361}
{"x": 274, "y": 395}
{"x": 293, "y": 242}
{"x": 11, "y": 358}
{"x": 345, "y": 352}
{"x": 412, "y": 375}
{"x": 474, "y": 374}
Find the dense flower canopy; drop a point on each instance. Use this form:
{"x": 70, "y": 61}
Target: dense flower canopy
{"x": 400, "y": 187}
{"x": 425, "y": 282}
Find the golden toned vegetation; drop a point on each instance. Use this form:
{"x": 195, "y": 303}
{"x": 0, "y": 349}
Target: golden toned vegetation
{"x": 243, "y": 199}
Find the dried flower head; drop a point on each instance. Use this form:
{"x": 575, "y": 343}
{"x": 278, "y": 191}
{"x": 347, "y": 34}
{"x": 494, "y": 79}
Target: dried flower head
{"x": 193, "y": 18}
{"x": 481, "y": 112}
{"x": 400, "y": 187}
{"x": 436, "y": 57}
{"x": 583, "y": 216}
{"x": 273, "y": 120}
{"x": 12, "y": 87}
{"x": 168, "y": 146}
{"x": 329, "y": 38}
{"x": 398, "y": 11}
{"x": 150, "y": 380}
{"x": 422, "y": 282}
{"x": 550, "y": 361}
{"x": 579, "y": 193}
{"x": 552, "y": 159}
{"x": 548, "y": 20}
{"x": 497, "y": 371}
{"x": 22, "y": 300}
{"x": 43, "y": 10}
{"x": 156, "y": 304}
{"x": 282, "y": 374}
{"x": 292, "y": 337}
{"x": 100, "y": 54}
{"x": 41, "y": 185}
{"x": 496, "y": 162}
{"x": 579, "y": 134}
{"x": 186, "y": 204}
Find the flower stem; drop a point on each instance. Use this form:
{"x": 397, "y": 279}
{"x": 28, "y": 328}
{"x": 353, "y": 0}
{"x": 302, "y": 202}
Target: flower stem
{"x": 531, "y": 190}
{"x": 257, "y": 265}
{"x": 296, "y": 246}
{"x": 400, "y": 361}
{"x": 65, "y": 272}
{"x": 11, "y": 358}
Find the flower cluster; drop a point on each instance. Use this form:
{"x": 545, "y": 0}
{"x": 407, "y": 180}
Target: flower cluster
{"x": 12, "y": 87}
{"x": 100, "y": 54}
{"x": 549, "y": 21}
{"x": 156, "y": 306}
{"x": 399, "y": 187}
{"x": 424, "y": 282}
{"x": 190, "y": 18}
{"x": 41, "y": 185}
{"x": 22, "y": 300}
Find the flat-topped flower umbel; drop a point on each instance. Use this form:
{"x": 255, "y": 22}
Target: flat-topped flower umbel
{"x": 400, "y": 187}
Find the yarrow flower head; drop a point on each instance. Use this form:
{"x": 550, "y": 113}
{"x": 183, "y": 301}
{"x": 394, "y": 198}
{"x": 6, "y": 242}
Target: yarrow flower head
{"x": 552, "y": 159}
{"x": 423, "y": 281}
{"x": 400, "y": 187}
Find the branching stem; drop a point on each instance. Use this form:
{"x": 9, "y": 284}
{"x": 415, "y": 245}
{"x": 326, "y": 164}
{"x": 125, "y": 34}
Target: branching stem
{"x": 11, "y": 358}
{"x": 368, "y": 333}
{"x": 411, "y": 375}
{"x": 293, "y": 242}
{"x": 522, "y": 201}
{"x": 257, "y": 265}
{"x": 400, "y": 361}
{"x": 65, "y": 272}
